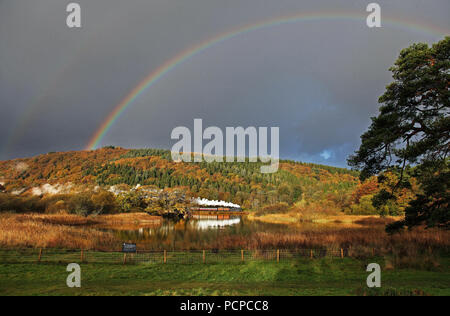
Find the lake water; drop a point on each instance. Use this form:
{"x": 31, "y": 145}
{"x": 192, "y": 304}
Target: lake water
{"x": 193, "y": 233}
{"x": 206, "y": 232}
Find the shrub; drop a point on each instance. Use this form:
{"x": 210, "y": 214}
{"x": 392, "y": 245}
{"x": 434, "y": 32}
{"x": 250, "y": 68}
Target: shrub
{"x": 364, "y": 207}
{"x": 81, "y": 204}
{"x": 19, "y": 204}
{"x": 104, "y": 202}
{"x": 278, "y": 208}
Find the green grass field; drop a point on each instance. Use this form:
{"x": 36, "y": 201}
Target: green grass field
{"x": 327, "y": 276}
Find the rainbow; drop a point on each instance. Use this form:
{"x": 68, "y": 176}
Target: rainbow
{"x": 183, "y": 56}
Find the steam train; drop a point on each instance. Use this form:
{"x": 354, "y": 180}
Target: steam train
{"x": 216, "y": 209}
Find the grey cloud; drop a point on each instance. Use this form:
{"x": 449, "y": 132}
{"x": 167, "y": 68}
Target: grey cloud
{"x": 318, "y": 81}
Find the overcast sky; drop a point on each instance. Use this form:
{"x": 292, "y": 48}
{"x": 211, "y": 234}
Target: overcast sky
{"x": 319, "y": 81}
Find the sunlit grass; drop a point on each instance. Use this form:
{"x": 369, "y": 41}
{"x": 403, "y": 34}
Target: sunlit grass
{"x": 64, "y": 231}
{"x": 299, "y": 277}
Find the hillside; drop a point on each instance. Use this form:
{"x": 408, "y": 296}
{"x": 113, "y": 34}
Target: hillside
{"x": 316, "y": 187}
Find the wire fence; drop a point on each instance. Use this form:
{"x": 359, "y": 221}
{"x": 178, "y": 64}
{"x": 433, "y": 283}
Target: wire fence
{"x": 21, "y": 256}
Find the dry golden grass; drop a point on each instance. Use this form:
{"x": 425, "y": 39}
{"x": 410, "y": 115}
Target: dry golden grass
{"x": 297, "y": 218}
{"x": 127, "y": 218}
{"x": 361, "y": 241}
{"x": 285, "y": 218}
{"x": 56, "y": 219}
{"x": 74, "y": 232}
{"x": 63, "y": 231}
{"x": 20, "y": 231}
{"x": 370, "y": 221}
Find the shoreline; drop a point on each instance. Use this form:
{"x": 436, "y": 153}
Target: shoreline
{"x": 296, "y": 219}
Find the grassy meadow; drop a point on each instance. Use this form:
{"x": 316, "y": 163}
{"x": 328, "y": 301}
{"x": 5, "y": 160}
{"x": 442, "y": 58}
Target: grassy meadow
{"x": 297, "y": 277}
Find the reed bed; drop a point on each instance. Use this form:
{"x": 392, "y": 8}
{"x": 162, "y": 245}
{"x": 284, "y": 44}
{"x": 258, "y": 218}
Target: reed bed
{"x": 74, "y": 232}
{"x": 23, "y": 231}
{"x": 359, "y": 241}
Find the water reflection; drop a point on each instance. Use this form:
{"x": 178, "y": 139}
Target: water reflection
{"x": 196, "y": 232}
{"x": 203, "y": 231}
{"x": 199, "y": 223}
{"x": 215, "y": 224}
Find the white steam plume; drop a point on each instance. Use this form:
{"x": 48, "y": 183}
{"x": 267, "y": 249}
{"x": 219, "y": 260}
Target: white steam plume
{"x": 207, "y": 202}
{"x": 52, "y": 189}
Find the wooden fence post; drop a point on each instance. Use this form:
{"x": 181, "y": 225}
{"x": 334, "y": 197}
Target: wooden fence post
{"x": 125, "y": 258}
{"x": 278, "y": 255}
{"x": 311, "y": 254}
{"x": 204, "y": 256}
{"x": 342, "y": 253}
{"x": 242, "y": 255}
{"x": 165, "y": 256}
{"x": 40, "y": 255}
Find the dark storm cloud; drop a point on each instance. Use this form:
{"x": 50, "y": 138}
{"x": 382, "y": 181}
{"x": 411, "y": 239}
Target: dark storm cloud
{"x": 318, "y": 81}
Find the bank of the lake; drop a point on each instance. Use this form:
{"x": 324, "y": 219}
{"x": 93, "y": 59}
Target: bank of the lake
{"x": 152, "y": 233}
{"x": 67, "y": 231}
{"x": 293, "y": 218}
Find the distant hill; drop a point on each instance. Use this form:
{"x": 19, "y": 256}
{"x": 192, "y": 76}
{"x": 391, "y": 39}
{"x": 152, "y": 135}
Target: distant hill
{"x": 241, "y": 183}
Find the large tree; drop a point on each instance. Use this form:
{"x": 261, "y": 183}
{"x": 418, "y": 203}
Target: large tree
{"x": 410, "y": 136}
